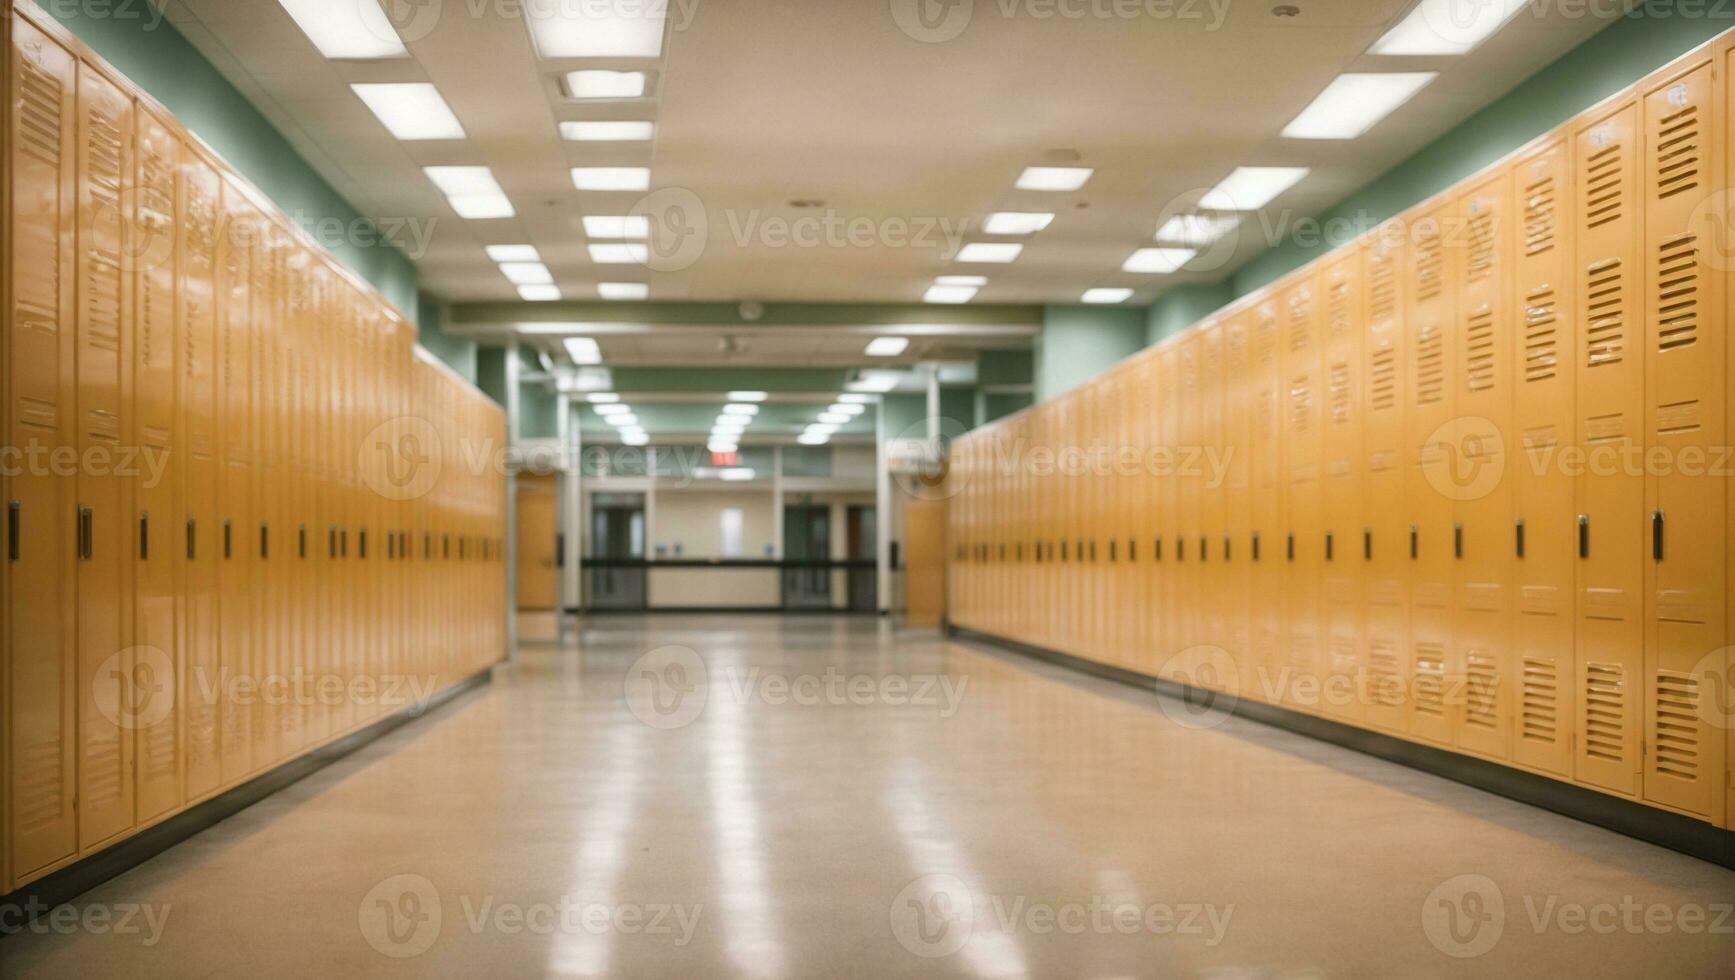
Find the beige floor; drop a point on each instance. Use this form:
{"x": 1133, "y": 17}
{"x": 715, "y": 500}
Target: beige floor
{"x": 826, "y": 797}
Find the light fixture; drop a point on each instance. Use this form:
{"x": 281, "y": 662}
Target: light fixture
{"x": 410, "y": 110}
{"x": 850, "y": 409}
{"x": 854, "y": 398}
{"x": 748, "y": 396}
{"x": 602, "y": 398}
{"x": 472, "y": 191}
{"x": 635, "y": 437}
{"x": 834, "y": 418}
{"x": 538, "y": 294}
{"x": 622, "y": 290}
{"x": 721, "y": 428}
{"x": 584, "y": 350}
{"x": 617, "y": 226}
{"x": 949, "y": 294}
{"x": 479, "y": 207}
{"x": 989, "y": 252}
{"x": 722, "y": 446}
{"x": 1446, "y": 27}
{"x": 877, "y": 382}
{"x": 736, "y": 474}
{"x": 617, "y": 29}
{"x": 1105, "y": 294}
{"x": 1354, "y": 102}
{"x": 346, "y": 28}
{"x": 825, "y": 428}
{"x": 1196, "y": 230}
{"x": 610, "y": 408}
{"x": 601, "y": 83}
{"x": 625, "y": 421}
{"x": 1053, "y": 178}
{"x": 1017, "y": 222}
{"x": 887, "y": 346}
{"x": 611, "y": 178}
{"x": 813, "y": 438}
{"x": 618, "y": 253}
{"x": 624, "y": 131}
{"x": 740, "y": 408}
{"x": 514, "y": 253}
{"x": 526, "y": 273}
{"x": 1251, "y": 188}
{"x": 1157, "y": 259}
{"x": 961, "y": 280}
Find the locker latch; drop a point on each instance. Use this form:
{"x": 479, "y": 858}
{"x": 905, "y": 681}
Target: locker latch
{"x": 144, "y": 535}
{"x": 1255, "y": 545}
{"x": 1180, "y": 548}
{"x": 85, "y": 532}
{"x": 14, "y": 517}
{"x": 1458, "y": 540}
{"x": 1518, "y": 537}
{"x": 331, "y": 540}
{"x": 1204, "y": 549}
{"x": 1226, "y": 545}
{"x": 361, "y": 544}
{"x": 1367, "y": 544}
{"x": 228, "y": 538}
{"x": 1289, "y": 546}
{"x": 1657, "y": 535}
{"x": 1415, "y": 543}
{"x": 1328, "y": 546}
{"x": 192, "y": 538}
{"x": 1584, "y": 535}
{"x": 264, "y": 539}
{"x": 1158, "y": 545}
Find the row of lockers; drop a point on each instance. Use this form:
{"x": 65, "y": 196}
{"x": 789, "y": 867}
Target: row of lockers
{"x": 1465, "y": 480}
{"x": 245, "y": 514}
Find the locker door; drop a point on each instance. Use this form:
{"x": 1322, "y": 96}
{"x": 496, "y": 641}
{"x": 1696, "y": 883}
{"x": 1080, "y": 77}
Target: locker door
{"x": 41, "y": 616}
{"x": 1543, "y": 426}
{"x": 1429, "y": 427}
{"x": 234, "y": 492}
{"x": 1140, "y": 553}
{"x": 1482, "y": 480}
{"x": 1725, "y": 690}
{"x": 1302, "y": 546}
{"x": 197, "y": 537}
{"x": 1235, "y": 465}
{"x": 1209, "y": 531}
{"x": 1265, "y": 537}
{"x": 1168, "y": 505}
{"x": 156, "y": 574}
{"x": 104, "y": 351}
{"x": 1686, "y": 395}
{"x": 261, "y": 537}
{"x": 1344, "y": 555}
{"x": 1611, "y": 407}
{"x": 1385, "y": 544}
{"x": 1187, "y": 592}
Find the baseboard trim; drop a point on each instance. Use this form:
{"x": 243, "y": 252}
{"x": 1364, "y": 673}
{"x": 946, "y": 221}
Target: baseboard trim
{"x": 61, "y": 887}
{"x": 1674, "y": 831}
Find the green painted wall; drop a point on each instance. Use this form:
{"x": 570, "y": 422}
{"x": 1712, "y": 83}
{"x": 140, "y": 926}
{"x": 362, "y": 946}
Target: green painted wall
{"x": 812, "y": 461}
{"x": 457, "y": 352}
{"x": 538, "y": 407}
{"x": 998, "y": 406}
{"x": 906, "y": 416}
{"x": 491, "y": 373}
{"x": 1183, "y": 306}
{"x": 1080, "y": 342}
{"x": 1005, "y": 367}
{"x": 148, "y": 50}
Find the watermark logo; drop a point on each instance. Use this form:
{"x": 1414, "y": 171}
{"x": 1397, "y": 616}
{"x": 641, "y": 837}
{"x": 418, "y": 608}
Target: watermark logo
{"x": 405, "y": 20}
{"x": 919, "y": 463}
{"x": 400, "y": 917}
{"x": 1213, "y": 679}
{"x": 401, "y": 458}
{"x": 667, "y": 687}
{"x": 677, "y": 228}
{"x": 1464, "y": 458}
{"x": 932, "y": 21}
{"x": 135, "y": 688}
{"x": 1715, "y": 673}
{"x": 1712, "y": 224}
{"x": 1464, "y": 916}
{"x": 933, "y": 916}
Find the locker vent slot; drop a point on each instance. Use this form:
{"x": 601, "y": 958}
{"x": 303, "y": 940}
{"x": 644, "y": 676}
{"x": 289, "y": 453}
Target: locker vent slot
{"x": 40, "y": 103}
{"x": 1430, "y": 680}
{"x": 1479, "y": 350}
{"x": 1678, "y": 152}
{"x": 1677, "y": 293}
{"x": 1602, "y": 187}
{"x": 101, "y": 765}
{"x": 41, "y": 777}
{"x": 1677, "y": 724}
{"x": 1339, "y": 307}
{"x": 160, "y": 750}
{"x": 1481, "y": 692}
{"x": 1430, "y": 366}
{"x": 1430, "y": 263}
{"x": 1541, "y": 343}
{"x": 1539, "y": 701}
{"x": 1385, "y": 678}
{"x": 1479, "y": 263}
{"x": 1383, "y": 377}
{"x": 1539, "y": 217}
{"x": 1265, "y": 340}
{"x": 1382, "y": 288}
{"x": 1300, "y": 403}
{"x": 1339, "y": 382}
{"x": 1605, "y": 711}
{"x": 1677, "y": 417}
{"x": 1605, "y": 314}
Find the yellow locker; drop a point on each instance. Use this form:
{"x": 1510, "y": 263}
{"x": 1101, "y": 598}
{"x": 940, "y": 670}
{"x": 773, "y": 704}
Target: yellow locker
{"x": 1167, "y": 498}
{"x": 1686, "y": 394}
{"x": 1429, "y": 426}
{"x": 254, "y": 537}
{"x": 41, "y": 619}
{"x": 1608, "y": 279}
{"x": 195, "y": 537}
{"x": 106, "y": 119}
{"x": 237, "y": 245}
{"x": 1209, "y": 528}
{"x": 1303, "y": 517}
{"x": 1481, "y": 476}
{"x": 1266, "y": 534}
{"x": 1185, "y": 577}
{"x": 1544, "y": 534}
{"x": 1385, "y": 545}
{"x": 1142, "y": 534}
{"x": 1726, "y": 250}
{"x": 1233, "y": 468}
{"x": 156, "y": 254}
{"x": 1345, "y": 545}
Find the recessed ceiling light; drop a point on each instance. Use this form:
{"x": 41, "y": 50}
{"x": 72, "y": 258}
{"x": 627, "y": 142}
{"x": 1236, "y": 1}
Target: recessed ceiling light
{"x": 813, "y": 438}
{"x": 989, "y": 252}
{"x": 1251, "y": 188}
{"x": 634, "y": 437}
{"x": 1053, "y": 178}
{"x": 472, "y": 191}
{"x": 1105, "y": 294}
{"x": 730, "y": 423}
{"x": 618, "y": 253}
{"x": 1196, "y": 230}
{"x": 346, "y": 29}
{"x": 824, "y": 428}
{"x": 410, "y": 110}
{"x": 961, "y": 280}
{"x": 611, "y": 408}
{"x": 722, "y": 446}
{"x": 602, "y": 398}
{"x": 877, "y": 382}
{"x": 748, "y": 396}
{"x": 1017, "y": 222}
{"x": 736, "y": 474}
{"x": 854, "y": 398}
{"x": 599, "y": 83}
{"x": 597, "y": 30}
{"x": 949, "y": 294}
{"x": 887, "y": 346}
{"x": 740, "y": 408}
{"x": 514, "y": 253}
{"x": 622, "y": 290}
{"x": 1446, "y": 27}
{"x": 584, "y": 350}
{"x": 538, "y": 294}
{"x": 851, "y": 409}
{"x": 834, "y": 418}
{"x": 477, "y": 207}
{"x": 526, "y": 273}
{"x": 617, "y": 226}
{"x": 1157, "y": 259}
{"x": 624, "y": 131}
{"x": 1354, "y": 102}
{"x": 626, "y": 421}
{"x": 611, "y": 178}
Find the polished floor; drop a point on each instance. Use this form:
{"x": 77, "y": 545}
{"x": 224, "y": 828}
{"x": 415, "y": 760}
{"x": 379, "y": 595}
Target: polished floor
{"x": 831, "y": 797}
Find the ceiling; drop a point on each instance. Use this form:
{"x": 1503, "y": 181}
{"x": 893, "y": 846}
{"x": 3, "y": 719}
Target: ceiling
{"x": 908, "y": 144}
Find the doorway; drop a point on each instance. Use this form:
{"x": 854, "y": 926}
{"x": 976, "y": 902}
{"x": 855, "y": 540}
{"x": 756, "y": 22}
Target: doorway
{"x": 615, "y": 570}
{"x": 807, "y": 539}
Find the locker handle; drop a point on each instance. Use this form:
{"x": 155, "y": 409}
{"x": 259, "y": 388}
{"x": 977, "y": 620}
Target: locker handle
{"x": 446, "y": 546}
{"x": 1328, "y": 546}
{"x": 192, "y": 538}
{"x": 264, "y": 539}
{"x": 1584, "y": 535}
{"x": 560, "y": 550}
{"x": 1657, "y": 535}
{"x": 14, "y": 516}
{"x": 391, "y": 546}
{"x": 144, "y": 535}
{"x": 86, "y": 531}
{"x": 1415, "y": 543}
{"x": 1204, "y": 549}
{"x": 1289, "y": 546}
{"x": 1227, "y": 541}
{"x": 361, "y": 544}
{"x": 1367, "y": 544}
{"x": 1458, "y": 540}
{"x": 1180, "y": 548}
{"x": 1019, "y": 550}
{"x": 1111, "y": 551}
{"x": 1159, "y": 547}
{"x": 343, "y": 542}
{"x": 1518, "y": 536}
{"x": 1255, "y": 545}
{"x": 461, "y": 550}
{"x": 1063, "y": 551}
{"x": 331, "y": 539}
{"x": 1132, "y": 549}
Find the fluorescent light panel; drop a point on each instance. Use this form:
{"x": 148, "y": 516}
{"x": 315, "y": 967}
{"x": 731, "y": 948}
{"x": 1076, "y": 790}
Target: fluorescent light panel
{"x": 624, "y": 131}
{"x": 740, "y": 408}
{"x": 602, "y": 398}
{"x": 949, "y": 294}
{"x": 887, "y": 346}
{"x": 748, "y": 396}
{"x": 961, "y": 280}
{"x": 538, "y": 294}
{"x": 346, "y": 29}
{"x": 1354, "y": 103}
{"x": 813, "y": 438}
{"x": 617, "y": 226}
{"x": 611, "y": 408}
{"x": 1157, "y": 259}
{"x": 410, "y": 110}
{"x": 1447, "y": 27}
{"x": 989, "y": 252}
{"x": 1251, "y": 188}
{"x": 1017, "y": 222}
{"x": 514, "y": 253}
{"x": 1106, "y": 294}
{"x": 622, "y": 290}
{"x": 619, "y": 253}
{"x": 1196, "y": 230}
{"x": 601, "y": 83}
{"x": 597, "y": 29}
{"x": 1053, "y": 178}
{"x": 526, "y": 273}
{"x": 611, "y": 178}
{"x": 584, "y": 350}
{"x": 834, "y": 418}
{"x": 851, "y": 409}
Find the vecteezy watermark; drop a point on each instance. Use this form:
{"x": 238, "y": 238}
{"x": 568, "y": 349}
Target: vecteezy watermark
{"x": 147, "y": 464}
{"x": 32, "y": 915}
{"x": 937, "y": 915}
{"x": 404, "y": 915}
{"x": 401, "y": 458}
{"x": 1466, "y": 916}
{"x": 1212, "y": 680}
{"x": 938, "y": 21}
{"x": 142, "y": 10}
{"x": 412, "y": 20}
